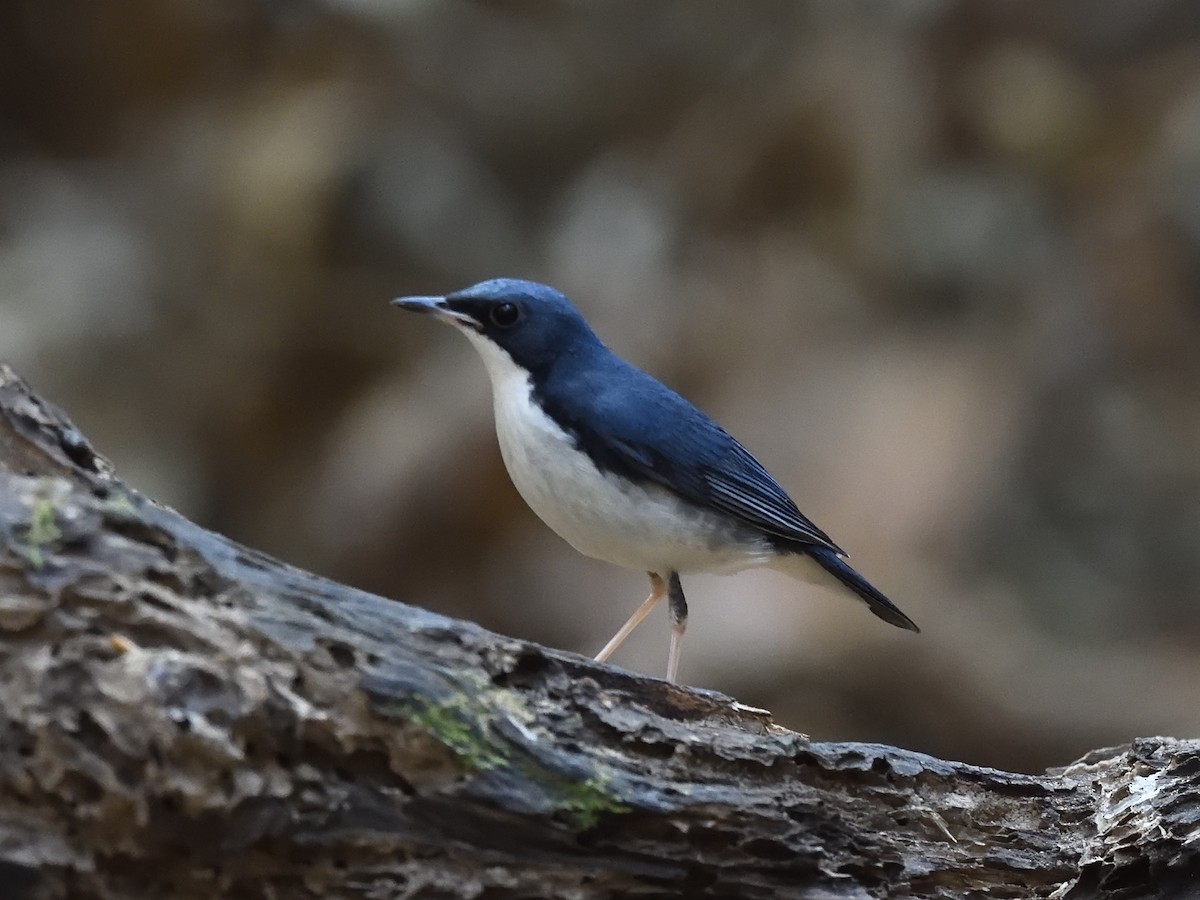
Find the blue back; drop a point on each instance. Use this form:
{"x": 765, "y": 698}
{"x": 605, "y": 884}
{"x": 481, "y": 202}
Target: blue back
{"x": 633, "y": 425}
{"x": 628, "y": 422}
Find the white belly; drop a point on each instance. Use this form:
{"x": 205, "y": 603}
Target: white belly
{"x": 635, "y": 526}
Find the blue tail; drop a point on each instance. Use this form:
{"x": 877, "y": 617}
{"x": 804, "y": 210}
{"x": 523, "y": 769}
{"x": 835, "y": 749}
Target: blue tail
{"x": 879, "y": 604}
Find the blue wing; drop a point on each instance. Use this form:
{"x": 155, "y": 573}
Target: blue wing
{"x": 651, "y": 434}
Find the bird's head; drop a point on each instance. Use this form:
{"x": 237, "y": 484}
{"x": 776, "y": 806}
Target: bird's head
{"x": 532, "y": 323}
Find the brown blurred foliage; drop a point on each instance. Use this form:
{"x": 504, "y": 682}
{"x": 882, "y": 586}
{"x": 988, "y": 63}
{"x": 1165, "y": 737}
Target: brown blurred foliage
{"x": 934, "y": 261}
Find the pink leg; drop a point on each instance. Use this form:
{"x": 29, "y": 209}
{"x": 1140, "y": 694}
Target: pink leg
{"x": 658, "y": 593}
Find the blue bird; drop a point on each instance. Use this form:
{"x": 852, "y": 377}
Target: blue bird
{"x": 622, "y": 467}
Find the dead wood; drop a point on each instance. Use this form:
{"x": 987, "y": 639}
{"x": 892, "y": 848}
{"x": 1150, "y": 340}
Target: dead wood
{"x": 185, "y": 717}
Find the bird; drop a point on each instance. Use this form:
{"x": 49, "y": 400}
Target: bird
{"x": 623, "y": 468}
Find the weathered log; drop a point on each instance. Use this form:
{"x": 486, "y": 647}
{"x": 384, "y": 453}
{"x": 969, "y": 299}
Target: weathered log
{"x": 185, "y": 717}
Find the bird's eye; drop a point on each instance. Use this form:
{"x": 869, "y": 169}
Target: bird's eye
{"x": 505, "y": 315}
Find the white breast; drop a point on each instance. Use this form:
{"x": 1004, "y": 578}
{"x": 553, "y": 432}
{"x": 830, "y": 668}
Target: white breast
{"x": 638, "y": 527}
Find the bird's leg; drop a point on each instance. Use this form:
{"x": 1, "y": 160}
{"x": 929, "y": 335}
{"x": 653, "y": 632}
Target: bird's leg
{"x": 658, "y": 593}
{"x": 679, "y": 613}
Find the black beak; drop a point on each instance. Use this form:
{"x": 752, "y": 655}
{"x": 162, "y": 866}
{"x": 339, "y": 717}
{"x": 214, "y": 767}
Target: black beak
{"x": 434, "y": 305}
{"x": 420, "y": 304}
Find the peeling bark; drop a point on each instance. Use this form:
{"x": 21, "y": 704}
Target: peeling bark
{"x": 183, "y": 717}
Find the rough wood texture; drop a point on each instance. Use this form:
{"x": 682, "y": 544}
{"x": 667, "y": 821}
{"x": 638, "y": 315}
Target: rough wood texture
{"x": 184, "y": 717}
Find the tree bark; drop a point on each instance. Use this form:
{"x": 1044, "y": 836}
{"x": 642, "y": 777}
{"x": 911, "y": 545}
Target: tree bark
{"x": 184, "y": 717}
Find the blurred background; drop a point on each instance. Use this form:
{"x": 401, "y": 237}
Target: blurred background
{"x": 935, "y": 262}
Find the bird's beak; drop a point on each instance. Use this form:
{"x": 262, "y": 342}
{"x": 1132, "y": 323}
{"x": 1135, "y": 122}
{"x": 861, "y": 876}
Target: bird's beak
{"x": 435, "y": 305}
